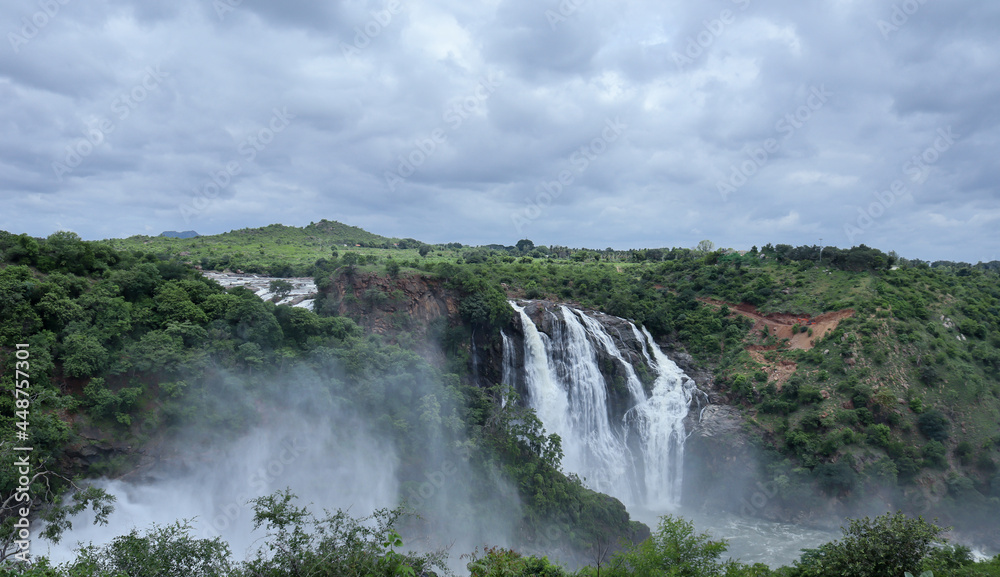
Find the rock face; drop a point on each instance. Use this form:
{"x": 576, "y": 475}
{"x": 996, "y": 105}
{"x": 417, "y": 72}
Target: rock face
{"x": 719, "y": 462}
{"x": 416, "y": 305}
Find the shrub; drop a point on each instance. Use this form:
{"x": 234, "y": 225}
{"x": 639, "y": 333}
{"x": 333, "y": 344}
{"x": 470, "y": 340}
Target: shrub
{"x": 500, "y": 562}
{"x": 934, "y": 455}
{"x": 673, "y": 549}
{"x": 162, "y": 551}
{"x": 933, "y": 425}
{"x": 890, "y": 544}
{"x": 963, "y": 451}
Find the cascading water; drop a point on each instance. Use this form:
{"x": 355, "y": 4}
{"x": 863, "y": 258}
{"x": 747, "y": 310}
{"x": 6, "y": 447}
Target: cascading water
{"x": 636, "y": 456}
{"x": 659, "y": 423}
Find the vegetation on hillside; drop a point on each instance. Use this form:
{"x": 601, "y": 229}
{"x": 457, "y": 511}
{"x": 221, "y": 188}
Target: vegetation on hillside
{"x": 137, "y": 347}
{"x": 127, "y": 338}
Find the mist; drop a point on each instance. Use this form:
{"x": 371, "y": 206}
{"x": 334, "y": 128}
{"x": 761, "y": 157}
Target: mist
{"x": 308, "y": 433}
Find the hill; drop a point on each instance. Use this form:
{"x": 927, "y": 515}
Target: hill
{"x": 175, "y": 234}
{"x": 275, "y": 250}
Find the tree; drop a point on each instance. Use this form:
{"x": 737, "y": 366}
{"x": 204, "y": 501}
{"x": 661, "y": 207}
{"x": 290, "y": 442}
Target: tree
{"x": 174, "y": 304}
{"x": 525, "y": 245}
{"x": 890, "y": 544}
{"x": 298, "y": 543}
{"x": 674, "y": 549}
{"x": 705, "y": 247}
{"x": 168, "y": 551}
{"x": 280, "y": 288}
{"x": 83, "y": 355}
{"x": 424, "y": 250}
{"x": 48, "y": 490}
{"x": 392, "y": 267}
{"x": 350, "y": 261}
{"x": 934, "y": 425}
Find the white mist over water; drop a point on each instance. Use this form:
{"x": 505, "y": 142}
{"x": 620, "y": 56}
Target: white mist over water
{"x": 327, "y": 464}
{"x": 749, "y": 540}
{"x": 570, "y": 396}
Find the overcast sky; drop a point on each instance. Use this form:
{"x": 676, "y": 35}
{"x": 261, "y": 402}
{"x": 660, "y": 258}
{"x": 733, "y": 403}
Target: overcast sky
{"x": 740, "y": 121}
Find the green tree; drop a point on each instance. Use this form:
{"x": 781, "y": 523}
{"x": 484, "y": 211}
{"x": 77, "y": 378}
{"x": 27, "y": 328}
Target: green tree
{"x": 890, "y": 544}
{"x": 934, "y": 425}
{"x": 174, "y": 304}
{"x": 674, "y": 549}
{"x": 83, "y": 355}
{"x": 161, "y": 551}
{"x": 332, "y": 546}
{"x": 392, "y": 268}
{"x": 280, "y": 288}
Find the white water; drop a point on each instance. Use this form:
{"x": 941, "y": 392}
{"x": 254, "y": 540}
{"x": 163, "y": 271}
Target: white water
{"x": 659, "y": 422}
{"x": 570, "y": 395}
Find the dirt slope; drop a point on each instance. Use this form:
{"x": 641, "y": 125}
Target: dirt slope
{"x": 780, "y": 324}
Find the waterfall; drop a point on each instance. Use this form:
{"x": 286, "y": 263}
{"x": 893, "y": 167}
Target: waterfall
{"x": 659, "y": 424}
{"x": 636, "y": 456}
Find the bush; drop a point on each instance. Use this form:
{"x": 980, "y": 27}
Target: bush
{"x": 836, "y": 477}
{"x": 934, "y": 425}
{"x": 934, "y": 455}
{"x": 499, "y": 562}
{"x": 890, "y": 544}
{"x": 964, "y": 451}
{"x": 673, "y": 549}
{"x": 168, "y": 551}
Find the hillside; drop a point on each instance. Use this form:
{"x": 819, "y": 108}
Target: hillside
{"x": 863, "y": 377}
{"x": 134, "y": 359}
{"x": 867, "y": 376}
{"x": 870, "y": 384}
{"x": 275, "y": 250}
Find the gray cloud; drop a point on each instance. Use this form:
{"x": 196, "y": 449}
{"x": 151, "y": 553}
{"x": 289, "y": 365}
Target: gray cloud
{"x": 702, "y": 87}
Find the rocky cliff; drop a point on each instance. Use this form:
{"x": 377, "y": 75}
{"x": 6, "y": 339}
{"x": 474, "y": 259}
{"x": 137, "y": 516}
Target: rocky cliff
{"x": 411, "y": 307}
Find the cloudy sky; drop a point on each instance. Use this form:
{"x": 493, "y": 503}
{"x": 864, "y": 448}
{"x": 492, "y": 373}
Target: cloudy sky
{"x": 622, "y": 123}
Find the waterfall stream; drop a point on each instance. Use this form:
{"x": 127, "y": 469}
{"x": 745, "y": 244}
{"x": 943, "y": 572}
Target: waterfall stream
{"x": 636, "y": 456}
